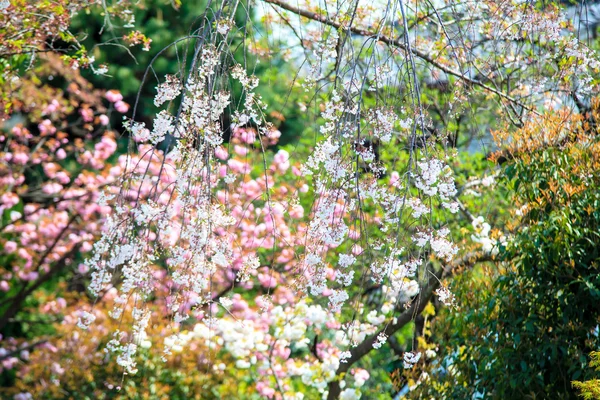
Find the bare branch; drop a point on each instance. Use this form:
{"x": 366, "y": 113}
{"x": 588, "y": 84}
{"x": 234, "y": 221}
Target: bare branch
{"x": 399, "y": 44}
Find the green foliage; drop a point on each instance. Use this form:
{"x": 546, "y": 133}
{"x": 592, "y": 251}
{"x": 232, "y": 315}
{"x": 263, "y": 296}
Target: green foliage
{"x": 590, "y": 389}
{"x": 159, "y": 21}
{"x": 527, "y": 334}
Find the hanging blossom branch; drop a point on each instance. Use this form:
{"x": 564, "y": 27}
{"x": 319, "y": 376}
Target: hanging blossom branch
{"x": 193, "y": 220}
{"x": 399, "y": 43}
{"x": 417, "y": 306}
{"x": 465, "y": 33}
{"x": 171, "y": 207}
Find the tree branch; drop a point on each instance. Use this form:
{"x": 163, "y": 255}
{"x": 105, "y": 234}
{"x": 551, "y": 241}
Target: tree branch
{"x": 416, "y": 307}
{"x": 399, "y": 44}
{"x": 20, "y": 349}
{"x": 19, "y": 298}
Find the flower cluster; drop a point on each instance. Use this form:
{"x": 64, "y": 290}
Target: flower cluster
{"x": 51, "y": 182}
{"x": 435, "y": 178}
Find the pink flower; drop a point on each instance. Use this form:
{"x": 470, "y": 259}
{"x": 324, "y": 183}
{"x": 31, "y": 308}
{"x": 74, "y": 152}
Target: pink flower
{"x": 20, "y": 158}
{"x": 46, "y": 127}
{"x": 15, "y": 215}
{"x": 50, "y": 108}
{"x": 50, "y": 169}
{"x": 51, "y": 188}
{"x": 62, "y": 303}
{"x": 87, "y": 114}
{"x": 62, "y": 177}
{"x": 273, "y": 136}
{"x": 265, "y": 390}
{"x": 9, "y": 199}
{"x": 245, "y": 135}
{"x": 223, "y": 171}
{"x": 82, "y": 269}
{"x": 394, "y": 179}
{"x": 356, "y": 250}
{"x": 297, "y": 211}
{"x": 10, "y": 363}
{"x": 251, "y": 188}
{"x": 121, "y": 106}
{"x": 239, "y": 166}
{"x": 361, "y": 376}
{"x": 30, "y": 209}
{"x": 104, "y": 119}
{"x": 267, "y": 280}
{"x": 113, "y": 96}
{"x": 10, "y": 247}
{"x": 240, "y": 150}
{"x": 4, "y": 286}
{"x": 282, "y": 160}
{"x": 353, "y": 234}
{"x": 221, "y": 153}
{"x": 61, "y": 154}
{"x": 105, "y": 148}
{"x": 30, "y": 276}
{"x": 57, "y": 369}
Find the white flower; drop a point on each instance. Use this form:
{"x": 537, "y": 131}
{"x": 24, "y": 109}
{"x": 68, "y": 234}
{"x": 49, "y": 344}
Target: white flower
{"x": 163, "y": 125}
{"x": 344, "y": 356}
{"x": 223, "y": 26}
{"x": 430, "y": 353}
{"x": 126, "y": 358}
{"x": 373, "y": 319}
{"x": 381, "y": 339}
{"x": 345, "y": 260}
{"x": 168, "y": 90}
{"x": 442, "y": 247}
{"x": 101, "y": 70}
{"x": 336, "y": 299}
{"x": 226, "y": 302}
{"x": 445, "y": 296}
{"x": 316, "y": 315}
{"x": 251, "y": 264}
{"x": 452, "y": 206}
{"x": 138, "y": 130}
{"x": 312, "y": 259}
{"x": 22, "y": 395}
{"x": 434, "y": 177}
{"x": 344, "y": 279}
{"x": 421, "y": 238}
{"x": 220, "y": 260}
{"x": 229, "y": 178}
{"x": 482, "y": 231}
{"x": 488, "y": 181}
{"x": 383, "y": 122}
{"x": 85, "y": 320}
{"x": 350, "y": 394}
{"x": 242, "y": 364}
{"x": 418, "y": 207}
{"x": 409, "y": 289}
{"x": 411, "y": 358}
